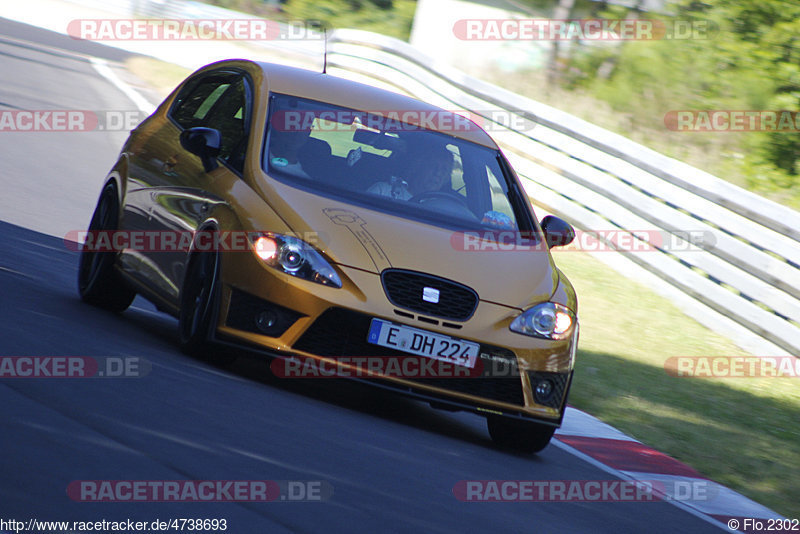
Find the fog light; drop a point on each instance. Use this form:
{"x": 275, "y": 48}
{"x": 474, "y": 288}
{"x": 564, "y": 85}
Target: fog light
{"x": 543, "y": 391}
{"x": 266, "y": 320}
{"x": 252, "y": 314}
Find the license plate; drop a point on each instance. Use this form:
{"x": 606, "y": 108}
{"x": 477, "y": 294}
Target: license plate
{"x": 423, "y": 343}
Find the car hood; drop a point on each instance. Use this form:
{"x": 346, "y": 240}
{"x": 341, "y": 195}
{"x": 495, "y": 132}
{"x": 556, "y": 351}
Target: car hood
{"x": 370, "y": 240}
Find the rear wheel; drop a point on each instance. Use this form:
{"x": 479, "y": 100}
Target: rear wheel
{"x": 519, "y": 435}
{"x": 198, "y": 305}
{"x": 98, "y": 283}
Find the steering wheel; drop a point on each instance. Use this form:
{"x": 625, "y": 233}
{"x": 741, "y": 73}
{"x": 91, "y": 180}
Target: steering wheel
{"x": 443, "y": 195}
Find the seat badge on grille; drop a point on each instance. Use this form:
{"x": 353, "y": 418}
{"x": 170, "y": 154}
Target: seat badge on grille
{"x": 430, "y": 294}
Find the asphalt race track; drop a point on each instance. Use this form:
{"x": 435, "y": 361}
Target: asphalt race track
{"x": 389, "y": 464}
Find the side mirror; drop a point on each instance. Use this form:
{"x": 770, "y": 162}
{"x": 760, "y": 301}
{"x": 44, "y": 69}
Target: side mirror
{"x": 203, "y": 142}
{"x": 557, "y": 232}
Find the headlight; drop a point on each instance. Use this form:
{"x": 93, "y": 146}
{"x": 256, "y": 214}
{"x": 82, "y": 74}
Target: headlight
{"x": 295, "y": 257}
{"x": 548, "y": 320}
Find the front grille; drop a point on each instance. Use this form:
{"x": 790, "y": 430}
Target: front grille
{"x": 339, "y": 332}
{"x": 405, "y": 289}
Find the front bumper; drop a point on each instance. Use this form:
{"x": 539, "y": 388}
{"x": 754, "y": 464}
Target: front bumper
{"x": 328, "y": 324}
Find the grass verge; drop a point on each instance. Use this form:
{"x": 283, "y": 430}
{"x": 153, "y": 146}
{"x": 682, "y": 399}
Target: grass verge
{"x": 741, "y": 432}
{"x": 161, "y": 76}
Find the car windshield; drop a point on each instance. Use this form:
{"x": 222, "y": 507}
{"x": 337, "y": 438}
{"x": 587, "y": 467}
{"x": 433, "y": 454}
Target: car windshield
{"x": 391, "y": 166}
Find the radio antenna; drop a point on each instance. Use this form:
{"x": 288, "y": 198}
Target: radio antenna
{"x": 325, "y": 53}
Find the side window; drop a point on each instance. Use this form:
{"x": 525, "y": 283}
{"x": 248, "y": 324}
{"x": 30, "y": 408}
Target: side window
{"x": 220, "y": 102}
{"x": 228, "y": 116}
{"x": 199, "y": 99}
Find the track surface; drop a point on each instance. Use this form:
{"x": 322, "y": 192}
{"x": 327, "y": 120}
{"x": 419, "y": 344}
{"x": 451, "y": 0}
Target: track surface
{"x": 392, "y": 462}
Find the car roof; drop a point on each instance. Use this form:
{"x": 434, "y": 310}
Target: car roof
{"x": 361, "y": 97}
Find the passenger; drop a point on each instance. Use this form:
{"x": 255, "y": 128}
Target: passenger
{"x": 284, "y": 146}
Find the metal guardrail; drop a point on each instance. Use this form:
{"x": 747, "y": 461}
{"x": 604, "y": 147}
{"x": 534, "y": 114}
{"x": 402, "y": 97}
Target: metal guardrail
{"x": 746, "y": 264}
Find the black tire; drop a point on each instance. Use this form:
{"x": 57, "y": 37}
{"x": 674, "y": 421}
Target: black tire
{"x": 519, "y": 435}
{"x": 98, "y": 283}
{"x": 199, "y": 300}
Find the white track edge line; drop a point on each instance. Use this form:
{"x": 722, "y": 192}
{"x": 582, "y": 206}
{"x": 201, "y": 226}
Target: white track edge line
{"x": 624, "y": 476}
{"x": 105, "y": 71}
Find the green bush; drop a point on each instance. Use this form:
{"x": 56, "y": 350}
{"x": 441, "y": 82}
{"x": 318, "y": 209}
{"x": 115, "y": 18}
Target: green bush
{"x": 750, "y": 62}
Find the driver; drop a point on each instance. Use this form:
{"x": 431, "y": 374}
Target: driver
{"x": 424, "y": 175}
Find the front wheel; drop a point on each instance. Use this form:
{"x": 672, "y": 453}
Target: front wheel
{"x": 519, "y": 435}
{"x": 198, "y": 303}
{"x": 98, "y": 283}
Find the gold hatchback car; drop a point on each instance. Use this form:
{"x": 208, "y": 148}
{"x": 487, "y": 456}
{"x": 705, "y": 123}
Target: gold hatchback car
{"x": 341, "y": 230}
